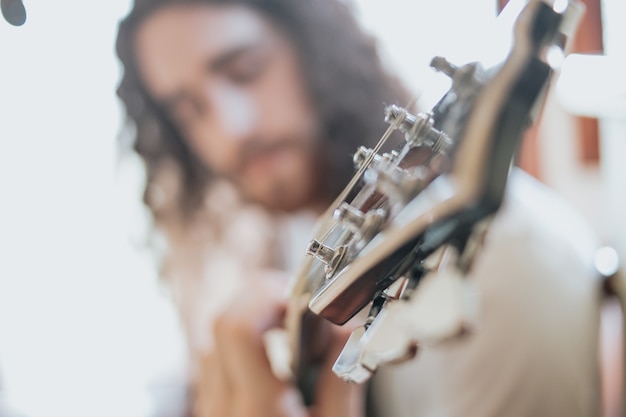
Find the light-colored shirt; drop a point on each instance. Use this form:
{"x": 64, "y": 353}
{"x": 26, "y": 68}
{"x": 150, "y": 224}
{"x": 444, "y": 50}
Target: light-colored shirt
{"x": 533, "y": 351}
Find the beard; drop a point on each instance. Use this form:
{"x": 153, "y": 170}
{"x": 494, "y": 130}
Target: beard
{"x": 282, "y": 175}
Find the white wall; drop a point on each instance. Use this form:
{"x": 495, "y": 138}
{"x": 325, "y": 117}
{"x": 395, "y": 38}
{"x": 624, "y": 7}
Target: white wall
{"x": 411, "y": 33}
{"x": 83, "y": 326}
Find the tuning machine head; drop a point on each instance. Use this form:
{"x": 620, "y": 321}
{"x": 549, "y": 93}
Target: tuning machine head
{"x": 333, "y": 259}
{"x": 419, "y": 130}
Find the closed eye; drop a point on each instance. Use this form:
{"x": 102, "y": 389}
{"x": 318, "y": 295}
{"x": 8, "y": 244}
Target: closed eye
{"x": 242, "y": 65}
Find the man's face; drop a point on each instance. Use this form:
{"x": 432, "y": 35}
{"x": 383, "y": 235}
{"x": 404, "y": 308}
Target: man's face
{"x": 232, "y": 85}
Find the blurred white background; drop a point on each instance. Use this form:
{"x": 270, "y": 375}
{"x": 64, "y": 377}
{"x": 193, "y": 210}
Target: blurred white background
{"x": 85, "y": 327}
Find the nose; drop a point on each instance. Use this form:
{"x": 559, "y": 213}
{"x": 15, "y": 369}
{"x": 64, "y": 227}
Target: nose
{"x": 235, "y": 114}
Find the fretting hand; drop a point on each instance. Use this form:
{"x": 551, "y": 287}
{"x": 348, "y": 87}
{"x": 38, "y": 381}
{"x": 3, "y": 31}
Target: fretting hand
{"x": 238, "y": 376}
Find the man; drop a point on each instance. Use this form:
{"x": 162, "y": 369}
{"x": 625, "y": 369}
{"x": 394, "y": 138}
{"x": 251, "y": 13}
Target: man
{"x": 241, "y": 91}
{"x": 271, "y": 97}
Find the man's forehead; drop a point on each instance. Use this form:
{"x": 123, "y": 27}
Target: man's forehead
{"x": 177, "y": 41}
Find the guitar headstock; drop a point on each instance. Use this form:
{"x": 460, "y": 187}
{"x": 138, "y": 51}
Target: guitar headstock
{"x": 423, "y": 208}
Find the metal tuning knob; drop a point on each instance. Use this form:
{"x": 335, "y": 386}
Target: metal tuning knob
{"x": 441, "y": 64}
{"x": 332, "y": 259}
{"x": 397, "y": 114}
{"x": 350, "y": 216}
{"x": 361, "y": 156}
{"x": 321, "y": 252}
{"x": 418, "y": 129}
{"x": 465, "y": 79}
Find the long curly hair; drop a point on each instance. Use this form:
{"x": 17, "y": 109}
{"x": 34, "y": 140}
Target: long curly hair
{"x": 345, "y": 78}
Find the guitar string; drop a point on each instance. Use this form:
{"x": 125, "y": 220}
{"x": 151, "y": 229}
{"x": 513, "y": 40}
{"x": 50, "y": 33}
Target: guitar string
{"x": 344, "y": 194}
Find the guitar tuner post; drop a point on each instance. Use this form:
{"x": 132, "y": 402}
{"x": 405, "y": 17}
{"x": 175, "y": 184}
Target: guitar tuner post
{"x": 400, "y": 116}
{"x": 423, "y": 133}
{"x": 385, "y": 162}
{"x": 419, "y": 129}
{"x": 332, "y": 258}
{"x": 395, "y": 112}
{"x": 349, "y": 215}
{"x": 389, "y": 158}
{"x": 441, "y": 64}
{"x": 321, "y": 252}
{"x": 362, "y": 154}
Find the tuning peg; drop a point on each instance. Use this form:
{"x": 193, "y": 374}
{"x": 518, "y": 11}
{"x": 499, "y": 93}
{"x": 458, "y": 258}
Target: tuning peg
{"x": 465, "y": 79}
{"x": 419, "y": 129}
{"x": 399, "y": 115}
{"x": 349, "y": 215}
{"x": 362, "y": 154}
{"x": 441, "y": 64}
{"x": 390, "y": 158}
{"x": 321, "y": 252}
{"x": 332, "y": 259}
